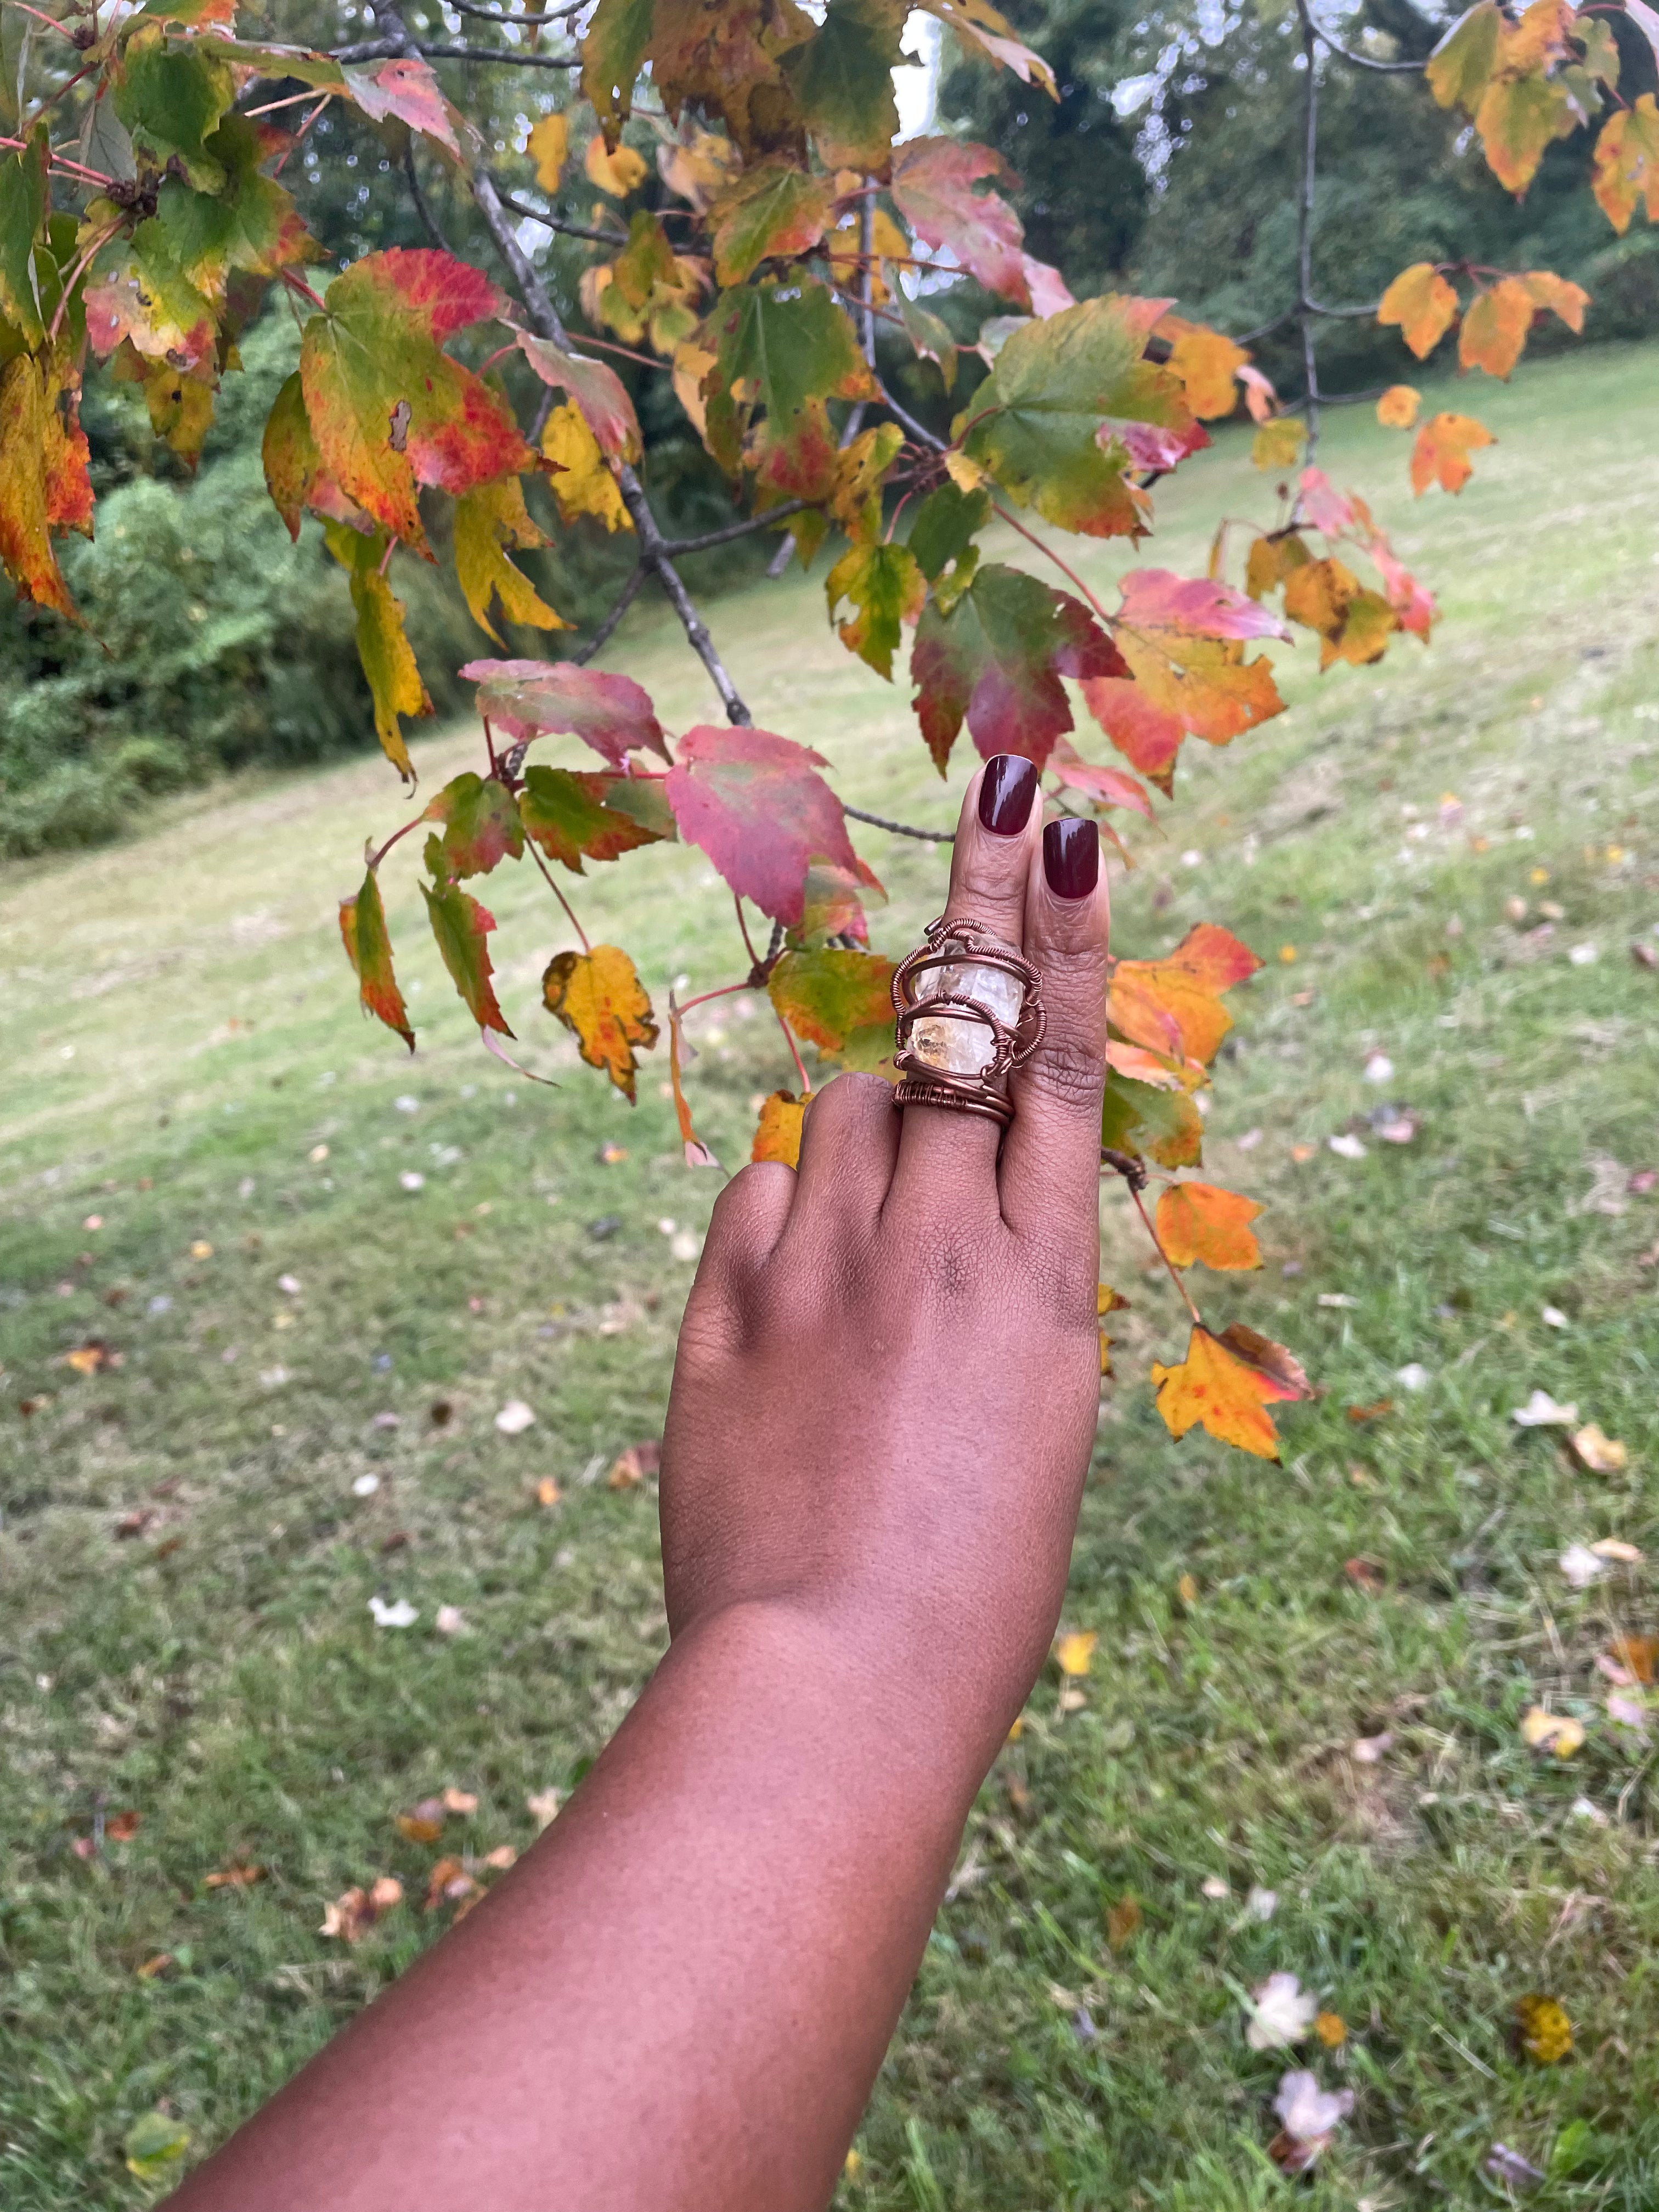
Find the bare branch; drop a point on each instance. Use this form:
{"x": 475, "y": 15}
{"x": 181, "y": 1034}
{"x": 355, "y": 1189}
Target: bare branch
{"x": 429, "y": 221}
{"x": 607, "y": 630}
{"x": 558, "y": 222}
{"x": 676, "y": 546}
{"x": 522, "y": 22}
{"x": 1365, "y": 60}
{"x": 1304, "y": 218}
{"x": 901, "y": 828}
{"x": 373, "y": 50}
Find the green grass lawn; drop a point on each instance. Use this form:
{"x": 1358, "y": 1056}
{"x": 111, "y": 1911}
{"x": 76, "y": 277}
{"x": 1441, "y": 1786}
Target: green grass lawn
{"x": 191, "y": 1538}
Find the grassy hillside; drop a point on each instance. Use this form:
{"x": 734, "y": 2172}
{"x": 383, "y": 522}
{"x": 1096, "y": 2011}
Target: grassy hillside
{"x": 192, "y": 1115}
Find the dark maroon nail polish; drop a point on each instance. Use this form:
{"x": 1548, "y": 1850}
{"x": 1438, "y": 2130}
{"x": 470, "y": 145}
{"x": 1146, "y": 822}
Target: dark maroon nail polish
{"x": 1071, "y": 857}
{"x": 1005, "y": 794}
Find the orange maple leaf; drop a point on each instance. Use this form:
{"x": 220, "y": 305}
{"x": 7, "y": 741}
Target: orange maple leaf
{"x": 1423, "y": 304}
{"x": 1196, "y": 1221}
{"x": 1440, "y": 454}
{"x": 1494, "y": 332}
{"x": 1225, "y": 1384}
{"x": 777, "y": 1133}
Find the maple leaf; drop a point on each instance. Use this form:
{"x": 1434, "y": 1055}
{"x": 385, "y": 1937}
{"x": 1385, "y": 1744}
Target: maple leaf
{"x": 1351, "y": 623}
{"x": 1189, "y": 983}
{"x": 726, "y": 60}
{"x": 1207, "y": 365}
{"x": 775, "y": 210}
{"x": 1562, "y": 299}
{"x": 756, "y": 803}
{"x": 388, "y": 408}
{"x": 489, "y": 519}
{"x": 789, "y": 345}
{"x": 24, "y": 199}
{"x": 842, "y": 82}
{"x": 179, "y": 401}
{"x": 885, "y": 587}
{"x": 582, "y": 480}
{"x": 460, "y": 925}
{"x": 137, "y": 289}
{"x": 404, "y": 87}
{"x": 933, "y": 188}
{"x": 1626, "y": 171}
{"x": 481, "y": 822}
{"x": 1517, "y": 118}
{"x": 599, "y": 997}
{"x": 612, "y": 713}
{"x": 696, "y": 1153}
{"x": 997, "y": 659}
{"x": 977, "y": 23}
{"x": 1039, "y": 422}
{"x": 368, "y": 948}
{"x": 1103, "y": 787}
{"x": 1225, "y": 1384}
{"x": 618, "y": 172}
{"x": 1440, "y": 454}
{"x": 839, "y": 1000}
{"x": 778, "y": 1130}
{"x": 1462, "y": 62}
{"x": 44, "y": 487}
{"x": 1182, "y": 642}
{"x": 171, "y": 97}
{"x": 572, "y": 816}
{"x": 1198, "y": 1222}
{"x": 1423, "y": 304}
{"x": 250, "y": 223}
{"x": 1397, "y": 408}
{"x": 547, "y": 149}
{"x": 598, "y": 391}
{"x": 1150, "y": 1121}
{"x": 383, "y": 647}
{"x": 1278, "y": 444}
{"x": 613, "y": 54}
{"x": 1495, "y": 327}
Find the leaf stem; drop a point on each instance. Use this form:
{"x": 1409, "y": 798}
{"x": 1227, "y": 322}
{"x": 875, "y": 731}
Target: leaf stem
{"x": 570, "y": 911}
{"x": 1174, "y": 1273}
{"x": 1065, "y": 568}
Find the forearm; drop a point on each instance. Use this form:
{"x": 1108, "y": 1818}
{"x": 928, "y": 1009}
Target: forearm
{"x": 680, "y": 1997}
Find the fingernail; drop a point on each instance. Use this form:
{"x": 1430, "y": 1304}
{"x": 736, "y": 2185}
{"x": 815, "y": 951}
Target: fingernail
{"x": 1071, "y": 857}
{"x": 1005, "y": 794}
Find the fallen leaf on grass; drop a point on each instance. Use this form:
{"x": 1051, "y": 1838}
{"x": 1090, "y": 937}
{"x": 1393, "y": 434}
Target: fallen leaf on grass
{"x": 1310, "y": 2117}
{"x": 121, "y": 1827}
{"x": 548, "y": 1491}
{"x": 1371, "y": 1750}
{"x": 631, "y": 1468}
{"x": 424, "y": 1825}
{"x": 1556, "y": 1732}
{"x": 355, "y": 1911}
{"x": 1346, "y": 1147}
{"x": 448, "y": 1884}
{"x": 1545, "y": 2031}
{"x": 449, "y": 1620}
{"x": 1365, "y": 1575}
{"x": 1186, "y": 1591}
{"x": 234, "y": 1877}
{"x": 1331, "y": 2029}
{"x": 1213, "y": 1886}
{"x": 1123, "y": 1922}
{"x": 1581, "y": 1566}
{"x": 154, "y": 2145}
{"x": 1413, "y": 1376}
{"x": 1302, "y": 1153}
{"x": 1509, "y": 2168}
{"x": 135, "y": 1522}
{"x": 543, "y": 1806}
{"x": 1542, "y": 1411}
{"x": 1638, "y": 1655}
{"x": 1597, "y": 1454}
{"x": 1074, "y": 1651}
{"x": 462, "y": 1802}
{"x": 1374, "y": 1411}
{"x": 1616, "y": 1547}
{"x": 152, "y": 1967}
{"x": 514, "y": 1418}
{"x": 1280, "y": 2014}
{"x": 1628, "y": 1712}
{"x": 501, "y": 1858}
{"x": 91, "y": 1358}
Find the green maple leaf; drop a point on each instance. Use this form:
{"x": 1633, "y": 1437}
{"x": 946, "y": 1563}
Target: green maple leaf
{"x": 839, "y": 1000}
{"x": 790, "y": 343}
{"x": 249, "y": 223}
{"x": 842, "y": 81}
{"x": 886, "y": 589}
{"x": 777, "y": 208}
{"x": 1039, "y": 414}
{"x": 613, "y": 54}
{"x": 368, "y": 948}
{"x": 22, "y": 212}
{"x": 461, "y": 925}
{"x": 572, "y": 815}
{"x": 172, "y": 98}
{"x": 481, "y": 824}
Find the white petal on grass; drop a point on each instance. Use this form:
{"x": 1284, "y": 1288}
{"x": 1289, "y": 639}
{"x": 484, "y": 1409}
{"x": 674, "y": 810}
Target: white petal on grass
{"x": 1370, "y": 1750}
{"x": 1213, "y": 1886}
{"x": 1308, "y": 2111}
{"x": 514, "y": 1418}
{"x": 1582, "y": 1808}
{"x": 1553, "y": 1318}
{"x": 1413, "y": 1376}
{"x": 1583, "y": 956}
{"x": 685, "y": 1246}
{"x": 412, "y": 1179}
{"x": 1337, "y": 1298}
{"x": 406, "y": 1105}
{"x": 1581, "y": 1566}
{"x": 1379, "y": 1069}
{"x": 1541, "y": 1412}
{"x": 290, "y": 1284}
{"x": 366, "y": 1485}
{"x": 398, "y": 1614}
{"x": 449, "y": 1620}
{"x": 1280, "y": 2014}
{"x": 1261, "y": 1904}
{"x": 1346, "y": 1147}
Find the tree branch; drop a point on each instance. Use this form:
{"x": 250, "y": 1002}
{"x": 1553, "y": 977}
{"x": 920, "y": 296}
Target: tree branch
{"x": 676, "y": 546}
{"x": 374, "y": 50}
{"x": 522, "y": 22}
{"x": 558, "y": 222}
{"x": 1365, "y": 61}
{"x": 429, "y": 221}
{"x": 607, "y": 630}
{"x": 1304, "y": 218}
{"x": 901, "y": 828}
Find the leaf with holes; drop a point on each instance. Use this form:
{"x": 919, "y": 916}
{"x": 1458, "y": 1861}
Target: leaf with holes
{"x": 775, "y": 211}
{"x": 1495, "y": 327}
{"x": 996, "y": 660}
{"x": 777, "y": 1133}
{"x": 1423, "y": 305}
{"x": 1440, "y": 454}
{"x": 756, "y": 805}
{"x": 841, "y": 1001}
{"x": 383, "y": 646}
{"x": 612, "y": 713}
{"x": 885, "y": 589}
{"x": 1225, "y": 1385}
{"x": 1627, "y": 164}
{"x": 368, "y": 948}
{"x": 389, "y": 408}
{"x": 461, "y": 926}
{"x": 481, "y": 824}
{"x": 599, "y": 997}
{"x": 933, "y": 188}
{"x": 1198, "y": 1222}
{"x": 843, "y": 81}
{"x": 489, "y": 521}
{"x": 575, "y": 817}
{"x": 1044, "y": 423}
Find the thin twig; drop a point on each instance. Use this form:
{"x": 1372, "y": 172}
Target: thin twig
{"x": 1305, "y": 216}
{"x": 375, "y": 50}
{"x": 570, "y": 911}
{"x": 522, "y": 22}
{"x": 603, "y": 635}
{"x": 1365, "y": 61}
{"x": 676, "y": 546}
{"x": 558, "y": 222}
{"x": 429, "y": 221}
{"x": 1064, "y": 567}
{"x": 900, "y": 829}
{"x": 1174, "y": 1273}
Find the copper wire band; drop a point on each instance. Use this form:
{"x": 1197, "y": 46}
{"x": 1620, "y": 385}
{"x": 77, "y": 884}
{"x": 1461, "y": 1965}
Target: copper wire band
{"x": 964, "y": 942}
{"x": 911, "y": 1092}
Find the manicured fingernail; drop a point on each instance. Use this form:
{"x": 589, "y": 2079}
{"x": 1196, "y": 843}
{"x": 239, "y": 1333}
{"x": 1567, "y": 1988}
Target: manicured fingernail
{"x": 1005, "y": 794}
{"x": 1071, "y": 857}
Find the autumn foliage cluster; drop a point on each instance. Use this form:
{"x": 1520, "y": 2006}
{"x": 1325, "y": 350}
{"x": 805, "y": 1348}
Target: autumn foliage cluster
{"x": 144, "y": 220}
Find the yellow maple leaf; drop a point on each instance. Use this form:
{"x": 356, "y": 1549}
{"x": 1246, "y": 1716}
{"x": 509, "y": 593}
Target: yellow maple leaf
{"x": 600, "y": 998}
{"x": 1225, "y": 1384}
{"x": 1397, "y": 408}
{"x": 547, "y": 146}
{"x": 489, "y": 521}
{"x": 582, "y": 482}
{"x": 617, "y": 173}
{"x": 1074, "y": 1651}
{"x": 777, "y": 1133}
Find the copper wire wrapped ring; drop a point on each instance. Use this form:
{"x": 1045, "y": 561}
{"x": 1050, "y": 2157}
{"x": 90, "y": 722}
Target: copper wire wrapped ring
{"x": 970, "y": 1011}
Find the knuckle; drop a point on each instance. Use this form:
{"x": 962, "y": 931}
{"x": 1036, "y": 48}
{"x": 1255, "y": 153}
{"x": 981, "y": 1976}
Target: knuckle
{"x": 1070, "y": 1070}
